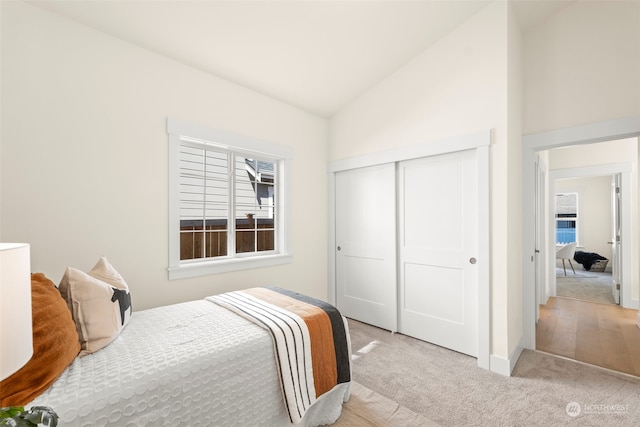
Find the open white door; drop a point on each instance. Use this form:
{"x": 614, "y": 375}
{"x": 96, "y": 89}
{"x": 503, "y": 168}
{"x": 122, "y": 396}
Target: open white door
{"x": 438, "y": 250}
{"x": 616, "y": 237}
{"x": 366, "y": 245}
{"x": 540, "y": 253}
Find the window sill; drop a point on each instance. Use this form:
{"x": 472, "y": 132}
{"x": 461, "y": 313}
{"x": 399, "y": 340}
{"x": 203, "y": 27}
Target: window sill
{"x": 223, "y": 266}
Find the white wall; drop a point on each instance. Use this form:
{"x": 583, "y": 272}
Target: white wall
{"x": 583, "y": 66}
{"x": 514, "y": 206}
{"x": 84, "y": 156}
{"x": 456, "y": 87}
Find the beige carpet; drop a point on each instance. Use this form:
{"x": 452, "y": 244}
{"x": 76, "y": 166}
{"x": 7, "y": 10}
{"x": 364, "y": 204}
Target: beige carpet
{"x": 584, "y": 285}
{"x": 448, "y": 388}
{"x": 366, "y": 408}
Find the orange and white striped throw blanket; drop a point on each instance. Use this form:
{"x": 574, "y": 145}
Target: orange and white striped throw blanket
{"x": 309, "y": 338}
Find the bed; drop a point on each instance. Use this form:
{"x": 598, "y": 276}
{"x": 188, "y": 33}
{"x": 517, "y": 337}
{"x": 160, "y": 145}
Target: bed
{"x": 197, "y": 363}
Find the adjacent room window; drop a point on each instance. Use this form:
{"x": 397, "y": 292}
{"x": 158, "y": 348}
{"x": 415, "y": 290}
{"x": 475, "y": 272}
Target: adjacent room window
{"x": 566, "y": 218}
{"x": 228, "y": 204}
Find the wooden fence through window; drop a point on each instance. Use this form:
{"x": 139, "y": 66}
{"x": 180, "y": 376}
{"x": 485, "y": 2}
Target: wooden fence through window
{"x": 210, "y": 242}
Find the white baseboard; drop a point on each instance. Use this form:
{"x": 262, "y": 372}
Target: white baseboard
{"x": 500, "y": 365}
{"x": 638, "y": 320}
{"x": 505, "y": 367}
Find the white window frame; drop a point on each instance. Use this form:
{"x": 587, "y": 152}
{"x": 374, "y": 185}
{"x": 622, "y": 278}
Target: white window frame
{"x": 179, "y": 130}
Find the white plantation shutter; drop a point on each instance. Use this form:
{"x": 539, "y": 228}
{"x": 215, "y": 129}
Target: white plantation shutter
{"x": 204, "y": 201}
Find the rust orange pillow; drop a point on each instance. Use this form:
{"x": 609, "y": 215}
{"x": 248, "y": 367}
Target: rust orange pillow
{"x": 55, "y": 345}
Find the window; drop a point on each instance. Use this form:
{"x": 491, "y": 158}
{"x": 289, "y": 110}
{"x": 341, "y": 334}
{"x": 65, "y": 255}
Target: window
{"x": 566, "y": 218}
{"x": 210, "y": 195}
{"x": 227, "y": 201}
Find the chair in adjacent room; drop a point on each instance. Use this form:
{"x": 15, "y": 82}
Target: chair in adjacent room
{"x": 567, "y": 252}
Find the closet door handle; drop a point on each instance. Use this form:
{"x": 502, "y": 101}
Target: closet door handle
{"x": 472, "y": 260}
{"x": 339, "y": 248}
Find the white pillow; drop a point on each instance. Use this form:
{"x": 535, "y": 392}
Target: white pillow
{"x": 100, "y": 304}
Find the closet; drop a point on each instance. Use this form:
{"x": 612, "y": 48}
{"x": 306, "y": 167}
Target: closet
{"x": 406, "y": 245}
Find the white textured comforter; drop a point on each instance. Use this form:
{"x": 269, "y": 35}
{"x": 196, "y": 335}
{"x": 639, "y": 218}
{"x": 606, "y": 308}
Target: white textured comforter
{"x": 189, "y": 364}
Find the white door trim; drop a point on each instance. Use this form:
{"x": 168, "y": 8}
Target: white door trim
{"x": 585, "y": 134}
{"x": 441, "y": 146}
{"x": 481, "y": 143}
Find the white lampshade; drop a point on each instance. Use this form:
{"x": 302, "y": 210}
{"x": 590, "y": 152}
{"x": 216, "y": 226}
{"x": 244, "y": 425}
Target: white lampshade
{"x": 16, "y": 342}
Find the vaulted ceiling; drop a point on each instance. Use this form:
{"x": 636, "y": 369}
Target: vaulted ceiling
{"x": 316, "y": 55}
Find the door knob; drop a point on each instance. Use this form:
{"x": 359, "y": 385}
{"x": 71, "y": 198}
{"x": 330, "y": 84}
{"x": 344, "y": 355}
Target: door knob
{"x": 472, "y": 260}
{"x": 339, "y": 248}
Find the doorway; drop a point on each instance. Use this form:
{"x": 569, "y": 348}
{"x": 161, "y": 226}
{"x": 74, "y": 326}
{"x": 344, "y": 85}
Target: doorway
{"x": 594, "y": 238}
{"x": 581, "y": 315}
{"x": 533, "y": 144}
{"x": 584, "y": 215}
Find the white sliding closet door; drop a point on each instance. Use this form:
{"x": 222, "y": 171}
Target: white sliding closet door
{"x": 438, "y": 241}
{"x": 366, "y": 245}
